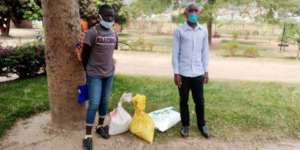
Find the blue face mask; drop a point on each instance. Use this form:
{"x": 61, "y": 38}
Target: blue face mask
{"x": 107, "y": 25}
{"x": 193, "y": 18}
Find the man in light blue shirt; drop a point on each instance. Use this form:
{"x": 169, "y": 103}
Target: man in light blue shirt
{"x": 190, "y": 66}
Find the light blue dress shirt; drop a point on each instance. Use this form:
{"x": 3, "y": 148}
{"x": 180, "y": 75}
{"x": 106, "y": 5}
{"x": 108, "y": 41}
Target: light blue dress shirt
{"x": 190, "y": 51}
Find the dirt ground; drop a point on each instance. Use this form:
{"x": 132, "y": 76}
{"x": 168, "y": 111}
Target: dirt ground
{"x": 36, "y": 133}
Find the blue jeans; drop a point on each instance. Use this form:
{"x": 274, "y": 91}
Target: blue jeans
{"x": 99, "y": 91}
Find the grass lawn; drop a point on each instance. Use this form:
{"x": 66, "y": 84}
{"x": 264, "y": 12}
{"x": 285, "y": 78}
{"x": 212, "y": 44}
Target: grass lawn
{"x": 234, "y": 109}
{"x": 261, "y": 49}
{"x": 21, "y": 99}
{"x": 161, "y": 43}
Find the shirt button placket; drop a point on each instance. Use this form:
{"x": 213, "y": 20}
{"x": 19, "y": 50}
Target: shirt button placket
{"x": 193, "y": 49}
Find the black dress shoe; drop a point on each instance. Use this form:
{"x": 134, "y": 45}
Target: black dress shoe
{"x": 204, "y": 131}
{"x": 87, "y": 143}
{"x": 103, "y": 131}
{"x": 184, "y": 131}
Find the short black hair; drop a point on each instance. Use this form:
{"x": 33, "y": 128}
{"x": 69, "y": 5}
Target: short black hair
{"x": 191, "y": 6}
{"x": 104, "y": 8}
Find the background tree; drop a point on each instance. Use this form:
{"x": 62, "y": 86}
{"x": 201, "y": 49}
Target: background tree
{"x": 267, "y": 10}
{"x": 8, "y": 9}
{"x": 208, "y": 10}
{"x": 89, "y": 10}
{"x": 17, "y": 10}
{"x": 121, "y": 9}
{"x": 148, "y": 7}
{"x": 30, "y": 10}
{"x": 293, "y": 35}
{"x": 64, "y": 71}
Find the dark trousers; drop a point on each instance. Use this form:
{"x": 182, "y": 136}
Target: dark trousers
{"x": 196, "y": 85}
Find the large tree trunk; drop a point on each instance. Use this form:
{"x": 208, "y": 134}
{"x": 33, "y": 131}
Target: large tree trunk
{"x": 5, "y": 26}
{"x": 25, "y": 24}
{"x": 298, "y": 53}
{"x": 210, "y": 22}
{"x": 209, "y": 28}
{"x": 64, "y": 71}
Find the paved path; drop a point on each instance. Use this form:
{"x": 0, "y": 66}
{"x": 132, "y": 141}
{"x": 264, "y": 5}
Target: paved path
{"x": 158, "y": 64}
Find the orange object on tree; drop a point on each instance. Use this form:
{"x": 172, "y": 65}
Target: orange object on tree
{"x": 84, "y": 28}
{"x": 84, "y": 25}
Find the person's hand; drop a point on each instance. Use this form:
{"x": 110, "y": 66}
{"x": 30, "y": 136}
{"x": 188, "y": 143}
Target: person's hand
{"x": 78, "y": 54}
{"x": 79, "y": 45}
{"x": 205, "y": 78}
{"x": 177, "y": 80}
{"x": 78, "y": 50}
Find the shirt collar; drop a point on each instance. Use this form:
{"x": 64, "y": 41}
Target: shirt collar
{"x": 187, "y": 27}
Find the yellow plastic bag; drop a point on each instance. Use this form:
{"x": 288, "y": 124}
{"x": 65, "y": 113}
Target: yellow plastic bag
{"x": 141, "y": 125}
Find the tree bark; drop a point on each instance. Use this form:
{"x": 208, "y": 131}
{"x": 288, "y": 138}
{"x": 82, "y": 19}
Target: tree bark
{"x": 209, "y": 29}
{"x": 298, "y": 53}
{"x": 64, "y": 71}
{"x": 5, "y": 30}
{"x": 25, "y": 24}
{"x": 210, "y": 22}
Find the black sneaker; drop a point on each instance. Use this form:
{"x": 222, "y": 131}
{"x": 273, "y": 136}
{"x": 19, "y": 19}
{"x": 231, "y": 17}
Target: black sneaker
{"x": 87, "y": 143}
{"x": 204, "y": 131}
{"x": 184, "y": 131}
{"x": 103, "y": 131}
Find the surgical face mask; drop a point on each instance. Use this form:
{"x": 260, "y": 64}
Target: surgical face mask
{"x": 193, "y": 18}
{"x": 107, "y": 25}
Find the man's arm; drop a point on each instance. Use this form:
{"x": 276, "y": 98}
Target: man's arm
{"x": 117, "y": 42}
{"x": 205, "y": 56}
{"x": 175, "y": 51}
{"x": 89, "y": 40}
{"x": 86, "y": 51}
{"x": 175, "y": 57}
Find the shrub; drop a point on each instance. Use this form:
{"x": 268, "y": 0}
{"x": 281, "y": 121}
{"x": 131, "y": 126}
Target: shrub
{"x": 141, "y": 44}
{"x": 178, "y": 18}
{"x": 235, "y": 34}
{"x": 4, "y": 53}
{"x": 26, "y": 61}
{"x": 251, "y": 52}
{"x": 231, "y": 47}
{"x": 255, "y": 33}
{"x": 247, "y": 34}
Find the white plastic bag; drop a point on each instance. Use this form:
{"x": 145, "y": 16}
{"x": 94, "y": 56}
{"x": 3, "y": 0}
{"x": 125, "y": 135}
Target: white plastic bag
{"x": 119, "y": 118}
{"x": 126, "y": 97}
{"x": 165, "y": 118}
